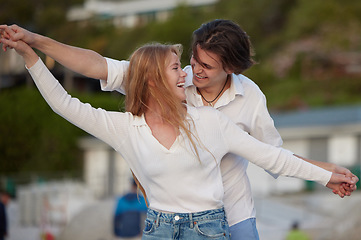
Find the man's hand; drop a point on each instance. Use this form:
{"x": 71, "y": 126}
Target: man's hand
{"x": 16, "y": 33}
{"x": 84, "y": 61}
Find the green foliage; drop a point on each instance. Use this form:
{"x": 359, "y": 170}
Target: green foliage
{"x": 34, "y": 138}
{"x": 177, "y": 29}
{"x": 42, "y": 16}
{"x": 19, "y": 12}
{"x": 333, "y": 21}
{"x": 261, "y": 19}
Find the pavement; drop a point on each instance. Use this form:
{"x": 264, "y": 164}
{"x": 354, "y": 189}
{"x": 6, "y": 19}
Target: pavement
{"x": 322, "y": 215}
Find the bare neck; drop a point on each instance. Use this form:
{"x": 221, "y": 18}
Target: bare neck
{"x": 162, "y": 130}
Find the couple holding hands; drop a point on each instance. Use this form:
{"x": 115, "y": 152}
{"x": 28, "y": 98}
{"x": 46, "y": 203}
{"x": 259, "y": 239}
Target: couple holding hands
{"x": 187, "y": 133}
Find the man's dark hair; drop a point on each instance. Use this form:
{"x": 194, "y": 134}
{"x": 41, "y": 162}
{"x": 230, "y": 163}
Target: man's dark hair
{"x": 226, "y": 39}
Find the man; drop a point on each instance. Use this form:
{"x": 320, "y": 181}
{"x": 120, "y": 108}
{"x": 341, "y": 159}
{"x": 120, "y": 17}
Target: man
{"x": 4, "y": 200}
{"x": 128, "y": 215}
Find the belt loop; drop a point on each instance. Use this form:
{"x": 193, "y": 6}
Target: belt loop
{"x": 157, "y": 220}
{"x": 191, "y": 220}
{"x": 224, "y": 214}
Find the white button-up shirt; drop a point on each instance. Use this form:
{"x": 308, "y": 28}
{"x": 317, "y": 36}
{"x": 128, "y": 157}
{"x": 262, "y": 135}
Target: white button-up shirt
{"x": 245, "y": 104}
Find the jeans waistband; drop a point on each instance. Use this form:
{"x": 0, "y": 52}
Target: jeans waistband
{"x": 178, "y": 218}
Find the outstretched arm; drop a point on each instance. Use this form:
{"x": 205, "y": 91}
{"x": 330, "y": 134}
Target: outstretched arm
{"x": 267, "y": 133}
{"x": 82, "y": 115}
{"x": 278, "y": 160}
{"x": 83, "y": 61}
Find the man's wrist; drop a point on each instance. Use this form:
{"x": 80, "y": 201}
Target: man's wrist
{"x": 38, "y": 41}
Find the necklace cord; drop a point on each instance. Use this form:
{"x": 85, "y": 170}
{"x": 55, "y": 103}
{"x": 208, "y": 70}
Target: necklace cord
{"x": 210, "y": 102}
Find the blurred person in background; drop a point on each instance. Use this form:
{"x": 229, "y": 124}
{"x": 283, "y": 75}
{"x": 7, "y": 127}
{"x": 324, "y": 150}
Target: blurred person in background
{"x": 4, "y": 200}
{"x": 129, "y": 213}
{"x": 297, "y": 234}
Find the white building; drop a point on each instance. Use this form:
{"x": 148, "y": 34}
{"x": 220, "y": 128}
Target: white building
{"x": 131, "y": 13}
{"x": 326, "y": 134}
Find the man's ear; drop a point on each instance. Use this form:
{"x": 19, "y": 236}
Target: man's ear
{"x": 228, "y": 70}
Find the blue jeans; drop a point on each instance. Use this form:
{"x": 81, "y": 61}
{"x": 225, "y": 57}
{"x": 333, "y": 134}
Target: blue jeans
{"x": 245, "y": 230}
{"x": 211, "y": 224}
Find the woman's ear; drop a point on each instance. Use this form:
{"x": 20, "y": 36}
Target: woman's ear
{"x": 151, "y": 82}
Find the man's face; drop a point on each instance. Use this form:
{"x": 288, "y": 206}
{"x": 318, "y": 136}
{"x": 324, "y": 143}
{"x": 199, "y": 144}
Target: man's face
{"x": 208, "y": 71}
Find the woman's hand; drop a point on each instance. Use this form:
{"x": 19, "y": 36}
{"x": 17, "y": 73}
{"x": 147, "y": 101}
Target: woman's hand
{"x": 22, "y": 49}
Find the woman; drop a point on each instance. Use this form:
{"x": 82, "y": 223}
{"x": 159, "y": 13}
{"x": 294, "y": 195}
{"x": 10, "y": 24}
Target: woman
{"x": 182, "y": 178}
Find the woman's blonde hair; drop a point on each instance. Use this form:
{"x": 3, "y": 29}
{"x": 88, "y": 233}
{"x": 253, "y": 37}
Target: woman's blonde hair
{"x": 147, "y": 64}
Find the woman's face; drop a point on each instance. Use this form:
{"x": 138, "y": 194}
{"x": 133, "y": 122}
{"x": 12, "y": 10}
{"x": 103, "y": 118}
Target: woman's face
{"x": 176, "y": 76}
{"x": 208, "y": 72}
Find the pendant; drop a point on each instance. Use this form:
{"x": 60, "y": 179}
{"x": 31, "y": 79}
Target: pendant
{"x": 210, "y": 104}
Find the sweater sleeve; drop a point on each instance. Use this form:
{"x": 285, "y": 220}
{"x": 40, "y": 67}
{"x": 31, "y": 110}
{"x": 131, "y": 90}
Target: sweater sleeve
{"x": 274, "y": 159}
{"x": 106, "y": 126}
{"x": 117, "y": 72}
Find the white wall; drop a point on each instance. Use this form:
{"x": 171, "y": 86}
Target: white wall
{"x": 96, "y": 170}
{"x": 52, "y": 203}
{"x": 343, "y": 149}
{"x": 105, "y": 171}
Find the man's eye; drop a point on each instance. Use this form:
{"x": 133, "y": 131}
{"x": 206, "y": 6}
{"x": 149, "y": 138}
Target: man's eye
{"x": 207, "y": 66}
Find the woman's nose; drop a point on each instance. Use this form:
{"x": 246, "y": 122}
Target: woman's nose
{"x": 184, "y": 74}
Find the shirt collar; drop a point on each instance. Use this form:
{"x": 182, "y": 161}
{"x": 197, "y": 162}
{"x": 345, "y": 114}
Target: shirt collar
{"x": 139, "y": 120}
{"x": 236, "y": 86}
{"x": 192, "y": 114}
{"x": 229, "y": 95}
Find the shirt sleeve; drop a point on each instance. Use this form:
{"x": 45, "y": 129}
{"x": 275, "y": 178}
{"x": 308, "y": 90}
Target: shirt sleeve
{"x": 117, "y": 72}
{"x": 105, "y": 125}
{"x": 274, "y": 159}
{"x": 262, "y": 125}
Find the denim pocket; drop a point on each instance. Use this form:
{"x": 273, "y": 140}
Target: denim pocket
{"x": 149, "y": 227}
{"x": 212, "y": 228}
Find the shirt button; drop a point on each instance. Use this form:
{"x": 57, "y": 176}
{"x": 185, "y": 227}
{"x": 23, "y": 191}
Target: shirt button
{"x": 176, "y": 218}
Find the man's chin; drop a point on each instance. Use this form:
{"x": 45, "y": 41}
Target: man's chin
{"x": 199, "y": 83}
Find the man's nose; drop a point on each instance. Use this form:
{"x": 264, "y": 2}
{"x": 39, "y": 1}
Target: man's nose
{"x": 197, "y": 68}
